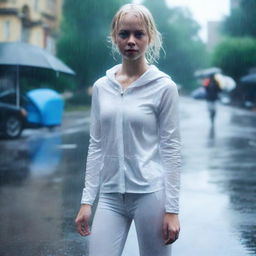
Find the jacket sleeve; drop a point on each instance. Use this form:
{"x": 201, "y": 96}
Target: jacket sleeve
{"x": 170, "y": 146}
{"x": 94, "y": 157}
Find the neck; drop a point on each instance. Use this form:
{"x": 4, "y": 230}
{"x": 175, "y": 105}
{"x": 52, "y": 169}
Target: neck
{"x": 134, "y": 68}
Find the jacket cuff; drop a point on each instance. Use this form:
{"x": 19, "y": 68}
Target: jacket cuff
{"x": 86, "y": 198}
{"x": 174, "y": 208}
{"x": 171, "y": 211}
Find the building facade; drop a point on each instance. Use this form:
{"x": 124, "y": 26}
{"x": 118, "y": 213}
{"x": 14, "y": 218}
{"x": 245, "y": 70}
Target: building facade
{"x": 234, "y": 4}
{"x": 213, "y": 34}
{"x": 32, "y": 21}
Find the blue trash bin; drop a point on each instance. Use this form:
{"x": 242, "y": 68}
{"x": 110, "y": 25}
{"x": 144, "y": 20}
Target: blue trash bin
{"x": 46, "y": 107}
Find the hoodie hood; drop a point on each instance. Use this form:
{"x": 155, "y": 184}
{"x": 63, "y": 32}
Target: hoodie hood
{"x": 152, "y": 74}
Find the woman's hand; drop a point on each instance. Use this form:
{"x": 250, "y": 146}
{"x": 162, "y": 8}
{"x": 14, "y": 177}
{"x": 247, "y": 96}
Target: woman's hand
{"x": 82, "y": 220}
{"x": 171, "y": 228}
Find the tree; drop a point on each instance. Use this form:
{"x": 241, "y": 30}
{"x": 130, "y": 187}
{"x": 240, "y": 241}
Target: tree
{"x": 242, "y": 21}
{"x": 83, "y": 42}
{"x": 237, "y": 53}
{"x": 184, "y": 50}
{"x": 235, "y": 56}
{"x": 85, "y": 26}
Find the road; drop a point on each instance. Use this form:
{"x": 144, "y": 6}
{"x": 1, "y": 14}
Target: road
{"x": 41, "y": 178}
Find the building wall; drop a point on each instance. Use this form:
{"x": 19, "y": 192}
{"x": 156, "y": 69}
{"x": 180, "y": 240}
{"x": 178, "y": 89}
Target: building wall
{"x": 10, "y": 28}
{"x": 37, "y": 36}
{"x": 234, "y": 4}
{"x": 214, "y": 35}
{"x": 33, "y": 21}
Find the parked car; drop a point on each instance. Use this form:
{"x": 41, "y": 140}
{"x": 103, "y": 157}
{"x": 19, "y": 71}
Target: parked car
{"x": 199, "y": 93}
{"x": 12, "y": 118}
{"x": 38, "y": 108}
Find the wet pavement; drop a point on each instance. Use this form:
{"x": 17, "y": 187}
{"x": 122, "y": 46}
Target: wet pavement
{"x": 41, "y": 179}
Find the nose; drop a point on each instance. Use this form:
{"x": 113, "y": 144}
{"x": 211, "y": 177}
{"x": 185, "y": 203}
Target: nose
{"x": 131, "y": 40}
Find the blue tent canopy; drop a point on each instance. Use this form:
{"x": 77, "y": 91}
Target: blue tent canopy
{"x": 47, "y": 107}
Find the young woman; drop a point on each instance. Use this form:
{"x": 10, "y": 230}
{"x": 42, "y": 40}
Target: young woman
{"x": 134, "y": 151}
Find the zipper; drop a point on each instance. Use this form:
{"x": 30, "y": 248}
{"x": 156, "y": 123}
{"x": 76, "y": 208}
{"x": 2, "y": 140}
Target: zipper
{"x": 122, "y": 166}
{"x": 123, "y": 90}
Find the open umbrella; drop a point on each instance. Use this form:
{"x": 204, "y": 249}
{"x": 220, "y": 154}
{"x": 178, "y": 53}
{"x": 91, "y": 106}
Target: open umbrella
{"x": 226, "y": 83}
{"x": 203, "y": 73}
{"x": 22, "y": 54}
{"x": 249, "y": 88}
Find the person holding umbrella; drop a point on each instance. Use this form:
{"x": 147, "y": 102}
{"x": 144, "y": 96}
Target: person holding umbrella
{"x": 212, "y": 89}
{"x": 134, "y": 155}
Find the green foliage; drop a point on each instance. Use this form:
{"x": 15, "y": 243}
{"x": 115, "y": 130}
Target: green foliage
{"x": 83, "y": 42}
{"x": 80, "y": 97}
{"x": 237, "y": 53}
{"x": 31, "y": 78}
{"x": 235, "y": 56}
{"x": 184, "y": 51}
{"x": 242, "y": 21}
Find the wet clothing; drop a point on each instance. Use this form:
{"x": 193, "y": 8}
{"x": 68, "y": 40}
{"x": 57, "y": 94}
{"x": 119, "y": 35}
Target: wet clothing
{"x": 212, "y": 90}
{"x": 134, "y": 138}
{"x": 113, "y": 218}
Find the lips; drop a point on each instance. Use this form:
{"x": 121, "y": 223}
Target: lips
{"x": 131, "y": 50}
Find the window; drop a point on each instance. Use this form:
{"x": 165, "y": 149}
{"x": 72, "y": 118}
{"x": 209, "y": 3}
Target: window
{"x": 50, "y": 45}
{"x": 51, "y": 5}
{"x": 36, "y": 5}
{"x": 25, "y": 34}
{"x": 7, "y": 28}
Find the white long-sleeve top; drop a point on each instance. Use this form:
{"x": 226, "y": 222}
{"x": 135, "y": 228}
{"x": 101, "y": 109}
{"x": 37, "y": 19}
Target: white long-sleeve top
{"x": 134, "y": 138}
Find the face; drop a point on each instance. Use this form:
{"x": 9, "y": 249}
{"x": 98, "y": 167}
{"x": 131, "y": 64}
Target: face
{"x": 131, "y": 37}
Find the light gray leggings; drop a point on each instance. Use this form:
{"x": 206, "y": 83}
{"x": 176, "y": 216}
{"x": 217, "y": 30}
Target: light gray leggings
{"x": 113, "y": 218}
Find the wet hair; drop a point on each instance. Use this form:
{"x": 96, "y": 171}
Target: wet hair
{"x": 155, "y": 38}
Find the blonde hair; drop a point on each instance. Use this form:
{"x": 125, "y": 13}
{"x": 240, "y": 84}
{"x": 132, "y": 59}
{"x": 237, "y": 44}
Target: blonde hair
{"x": 155, "y": 38}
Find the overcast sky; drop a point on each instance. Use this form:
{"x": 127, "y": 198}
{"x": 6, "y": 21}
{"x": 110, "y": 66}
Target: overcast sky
{"x": 203, "y": 10}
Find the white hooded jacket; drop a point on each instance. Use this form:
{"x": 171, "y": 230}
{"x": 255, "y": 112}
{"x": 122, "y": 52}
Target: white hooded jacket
{"x": 134, "y": 138}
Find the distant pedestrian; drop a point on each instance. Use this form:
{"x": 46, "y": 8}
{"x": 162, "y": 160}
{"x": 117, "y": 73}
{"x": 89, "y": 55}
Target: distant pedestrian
{"x": 212, "y": 89}
{"x": 134, "y": 153}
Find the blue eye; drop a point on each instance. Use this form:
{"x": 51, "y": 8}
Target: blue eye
{"x": 123, "y": 34}
{"x": 139, "y": 34}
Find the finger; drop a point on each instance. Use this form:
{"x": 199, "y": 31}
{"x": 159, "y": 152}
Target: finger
{"x": 165, "y": 231}
{"x": 87, "y": 229}
{"x": 83, "y": 228}
{"x": 172, "y": 237}
{"x": 83, "y": 231}
{"x": 79, "y": 229}
{"x": 167, "y": 235}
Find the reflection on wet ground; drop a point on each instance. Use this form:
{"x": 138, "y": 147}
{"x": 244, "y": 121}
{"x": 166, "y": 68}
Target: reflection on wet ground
{"x": 41, "y": 178}
{"x": 225, "y": 156}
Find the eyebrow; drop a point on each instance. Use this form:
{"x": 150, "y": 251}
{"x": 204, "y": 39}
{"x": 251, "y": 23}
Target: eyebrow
{"x": 128, "y": 30}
